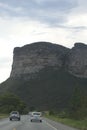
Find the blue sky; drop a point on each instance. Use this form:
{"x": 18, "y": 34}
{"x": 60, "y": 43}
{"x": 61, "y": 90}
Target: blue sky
{"x": 22, "y": 22}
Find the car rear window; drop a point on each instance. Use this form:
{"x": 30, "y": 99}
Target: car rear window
{"x": 37, "y": 114}
{"x": 14, "y": 113}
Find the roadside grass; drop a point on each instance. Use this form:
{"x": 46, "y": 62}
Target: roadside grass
{"x": 80, "y": 124}
{"x": 3, "y": 116}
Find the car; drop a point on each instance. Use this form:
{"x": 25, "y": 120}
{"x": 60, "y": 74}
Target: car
{"x": 14, "y": 115}
{"x": 35, "y": 116}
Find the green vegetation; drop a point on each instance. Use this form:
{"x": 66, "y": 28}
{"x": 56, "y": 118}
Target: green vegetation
{"x": 80, "y": 124}
{"x": 10, "y": 102}
{"x": 76, "y": 114}
{"x": 78, "y": 108}
{"x": 63, "y": 117}
{"x": 3, "y": 116}
{"x": 50, "y": 88}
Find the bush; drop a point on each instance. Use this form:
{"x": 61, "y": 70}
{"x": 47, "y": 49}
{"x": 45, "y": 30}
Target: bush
{"x": 51, "y": 112}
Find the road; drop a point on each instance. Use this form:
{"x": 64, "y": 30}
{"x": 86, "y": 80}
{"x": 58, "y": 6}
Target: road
{"x": 25, "y": 124}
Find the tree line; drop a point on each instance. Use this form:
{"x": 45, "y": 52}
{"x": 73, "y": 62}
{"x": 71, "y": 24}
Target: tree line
{"x": 78, "y": 104}
{"x": 10, "y": 102}
{"x": 77, "y": 108}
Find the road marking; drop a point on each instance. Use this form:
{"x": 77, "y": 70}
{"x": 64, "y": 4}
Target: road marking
{"x": 51, "y": 126}
{"x": 14, "y": 128}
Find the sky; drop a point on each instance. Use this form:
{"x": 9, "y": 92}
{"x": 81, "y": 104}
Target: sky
{"x": 22, "y": 22}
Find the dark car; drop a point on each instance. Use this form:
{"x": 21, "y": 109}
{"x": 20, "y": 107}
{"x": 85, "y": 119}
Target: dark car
{"x": 14, "y": 115}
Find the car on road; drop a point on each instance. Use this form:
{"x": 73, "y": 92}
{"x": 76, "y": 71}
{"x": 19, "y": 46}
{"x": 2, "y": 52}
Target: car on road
{"x": 14, "y": 115}
{"x": 35, "y": 116}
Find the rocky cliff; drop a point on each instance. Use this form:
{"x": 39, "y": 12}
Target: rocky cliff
{"x": 30, "y": 59}
{"x": 76, "y": 62}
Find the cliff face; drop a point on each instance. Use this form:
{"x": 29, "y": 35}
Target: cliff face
{"x": 77, "y": 60}
{"x": 30, "y": 59}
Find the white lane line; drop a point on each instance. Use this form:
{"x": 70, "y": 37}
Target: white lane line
{"x": 50, "y": 125}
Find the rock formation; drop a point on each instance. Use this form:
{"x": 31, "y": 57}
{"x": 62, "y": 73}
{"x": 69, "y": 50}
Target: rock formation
{"x": 30, "y": 59}
{"x": 77, "y": 60}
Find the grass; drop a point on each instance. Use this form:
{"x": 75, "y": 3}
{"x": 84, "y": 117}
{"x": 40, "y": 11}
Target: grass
{"x": 3, "y": 116}
{"x": 80, "y": 124}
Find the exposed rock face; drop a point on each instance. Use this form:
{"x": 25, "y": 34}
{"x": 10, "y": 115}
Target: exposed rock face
{"x": 77, "y": 60}
{"x": 30, "y": 59}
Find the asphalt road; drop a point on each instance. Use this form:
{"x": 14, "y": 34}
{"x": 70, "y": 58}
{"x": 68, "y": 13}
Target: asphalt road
{"x": 25, "y": 124}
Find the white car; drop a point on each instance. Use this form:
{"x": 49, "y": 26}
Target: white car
{"x": 14, "y": 115}
{"x": 35, "y": 116}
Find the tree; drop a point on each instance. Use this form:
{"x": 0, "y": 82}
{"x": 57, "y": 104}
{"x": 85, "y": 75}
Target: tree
{"x": 78, "y": 109}
{"x": 10, "y": 102}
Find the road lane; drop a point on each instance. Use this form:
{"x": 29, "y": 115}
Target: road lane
{"x": 25, "y": 124}
{"x": 8, "y": 125}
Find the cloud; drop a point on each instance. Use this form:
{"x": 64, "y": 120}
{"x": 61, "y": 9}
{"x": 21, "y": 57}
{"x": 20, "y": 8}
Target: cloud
{"x": 4, "y": 62}
{"x": 51, "y": 12}
{"x": 22, "y": 22}
{"x": 27, "y": 17}
{"x": 6, "y": 9}
{"x": 5, "y": 67}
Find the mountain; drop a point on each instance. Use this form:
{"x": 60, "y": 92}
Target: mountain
{"x": 45, "y": 74}
{"x": 30, "y": 59}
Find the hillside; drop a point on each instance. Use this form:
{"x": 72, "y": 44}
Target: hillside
{"x": 41, "y": 75}
{"x": 52, "y": 89}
